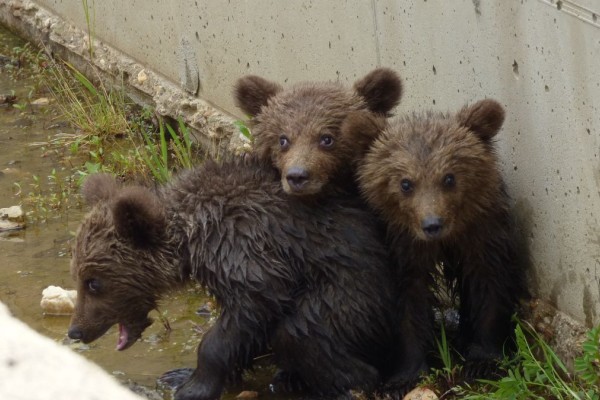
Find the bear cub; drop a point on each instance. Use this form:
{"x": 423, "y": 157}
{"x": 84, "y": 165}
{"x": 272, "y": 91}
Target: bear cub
{"x": 308, "y": 284}
{"x": 436, "y": 181}
{"x": 298, "y": 129}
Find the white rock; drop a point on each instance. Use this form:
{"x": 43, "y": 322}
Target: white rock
{"x": 58, "y": 301}
{"x": 142, "y": 76}
{"x": 420, "y": 393}
{"x": 14, "y": 213}
{"x": 42, "y": 101}
{"x": 6, "y": 225}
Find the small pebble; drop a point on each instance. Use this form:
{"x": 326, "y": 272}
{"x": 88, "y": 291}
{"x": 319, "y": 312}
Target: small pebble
{"x": 42, "y": 101}
{"x": 142, "y": 76}
{"x": 247, "y": 394}
{"x": 421, "y": 393}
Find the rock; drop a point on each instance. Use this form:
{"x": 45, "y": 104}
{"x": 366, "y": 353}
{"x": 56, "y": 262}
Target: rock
{"x": 6, "y": 225}
{"x": 58, "y": 301}
{"x": 42, "y": 101}
{"x": 421, "y": 393}
{"x": 247, "y": 394}
{"x": 142, "y": 76}
{"x": 14, "y": 213}
{"x": 7, "y": 98}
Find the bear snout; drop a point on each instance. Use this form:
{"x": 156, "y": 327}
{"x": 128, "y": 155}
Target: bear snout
{"x": 75, "y": 333}
{"x": 432, "y": 226}
{"x": 297, "y": 177}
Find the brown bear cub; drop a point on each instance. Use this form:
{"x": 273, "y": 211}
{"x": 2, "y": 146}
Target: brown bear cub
{"x": 298, "y": 128}
{"x": 309, "y": 284}
{"x": 436, "y": 181}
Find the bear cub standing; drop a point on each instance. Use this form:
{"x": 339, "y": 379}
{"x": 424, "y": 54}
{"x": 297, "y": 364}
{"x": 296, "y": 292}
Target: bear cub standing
{"x": 436, "y": 181}
{"x": 309, "y": 284}
{"x": 298, "y": 129}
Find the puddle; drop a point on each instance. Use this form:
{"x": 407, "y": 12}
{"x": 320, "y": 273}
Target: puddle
{"x": 34, "y": 258}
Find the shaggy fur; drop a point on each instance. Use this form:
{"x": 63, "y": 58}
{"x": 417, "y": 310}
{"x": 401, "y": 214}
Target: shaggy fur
{"x": 436, "y": 181}
{"x": 309, "y": 281}
{"x": 298, "y": 129}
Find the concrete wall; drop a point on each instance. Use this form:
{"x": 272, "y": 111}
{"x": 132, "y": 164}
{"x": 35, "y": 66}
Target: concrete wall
{"x": 540, "y": 58}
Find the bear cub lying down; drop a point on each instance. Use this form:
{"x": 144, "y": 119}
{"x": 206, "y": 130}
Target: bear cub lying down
{"x": 309, "y": 284}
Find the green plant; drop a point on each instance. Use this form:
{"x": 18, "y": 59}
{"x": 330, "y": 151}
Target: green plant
{"x": 244, "y": 130}
{"x": 445, "y": 378}
{"x": 587, "y": 366}
{"x": 90, "y": 20}
{"x": 444, "y": 352}
{"x": 94, "y": 109}
{"x": 536, "y": 373}
{"x": 57, "y": 193}
{"x": 157, "y": 157}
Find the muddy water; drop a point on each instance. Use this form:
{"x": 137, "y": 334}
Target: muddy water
{"x": 38, "y": 256}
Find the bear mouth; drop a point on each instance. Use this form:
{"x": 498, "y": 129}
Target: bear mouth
{"x": 130, "y": 333}
{"x": 310, "y": 188}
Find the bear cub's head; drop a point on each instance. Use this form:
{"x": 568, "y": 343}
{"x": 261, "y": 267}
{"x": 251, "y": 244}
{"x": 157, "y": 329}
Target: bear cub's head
{"x": 298, "y": 129}
{"x": 435, "y": 174}
{"x": 118, "y": 261}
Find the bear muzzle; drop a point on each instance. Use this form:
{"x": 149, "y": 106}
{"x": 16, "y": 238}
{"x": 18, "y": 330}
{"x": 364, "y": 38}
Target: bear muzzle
{"x": 297, "y": 178}
{"x": 432, "y": 227}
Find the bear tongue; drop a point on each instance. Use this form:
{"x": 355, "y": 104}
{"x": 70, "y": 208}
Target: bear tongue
{"x": 123, "y": 337}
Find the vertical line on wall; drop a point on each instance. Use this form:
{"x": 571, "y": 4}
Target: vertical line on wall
{"x": 376, "y": 28}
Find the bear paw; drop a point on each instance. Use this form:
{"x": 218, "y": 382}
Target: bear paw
{"x": 175, "y": 378}
{"x": 481, "y": 369}
{"x": 287, "y": 382}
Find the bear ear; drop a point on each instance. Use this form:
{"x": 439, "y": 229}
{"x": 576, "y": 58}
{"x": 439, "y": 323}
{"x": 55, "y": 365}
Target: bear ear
{"x": 252, "y": 92}
{"x": 363, "y": 127}
{"x": 381, "y": 89}
{"x": 138, "y": 216}
{"x": 98, "y": 187}
{"x": 485, "y": 118}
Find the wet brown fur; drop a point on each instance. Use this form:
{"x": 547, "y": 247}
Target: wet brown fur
{"x": 307, "y": 112}
{"x": 476, "y": 243}
{"x": 308, "y": 282}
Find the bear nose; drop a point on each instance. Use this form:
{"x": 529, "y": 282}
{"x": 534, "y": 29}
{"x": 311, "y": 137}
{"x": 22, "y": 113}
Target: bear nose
{"x": 297, "y": 177}
{"x": 432, "y": 226}
{"x": 75, "y": 333}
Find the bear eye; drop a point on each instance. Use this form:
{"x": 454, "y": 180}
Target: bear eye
{"x": 449, "y": 180}
{"x": 326, "y": 141}
{"x": 93, "y": 286}
{"x": 284, "y": 142}
{"x": 406, "y": 185}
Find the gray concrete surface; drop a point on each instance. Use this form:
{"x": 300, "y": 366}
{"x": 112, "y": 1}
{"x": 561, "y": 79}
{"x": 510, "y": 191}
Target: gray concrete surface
{"x": 540, "y": 58}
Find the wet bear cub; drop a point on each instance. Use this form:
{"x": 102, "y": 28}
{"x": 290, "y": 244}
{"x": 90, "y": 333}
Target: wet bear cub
{"x": 436, "y": 181}
{"x": 298, "y": 129}
{"x": 308, "y": 284}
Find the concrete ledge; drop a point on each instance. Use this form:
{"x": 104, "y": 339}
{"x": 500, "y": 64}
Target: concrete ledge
{"x": 213, "y": 128}
{"x": 34, "y": 367}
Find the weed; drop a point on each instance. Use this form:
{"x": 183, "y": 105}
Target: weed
{"x": 90, "y": 21}
{"x": 445, "y": 378}
{"x": 93, "y": 109}
{"x": 538, "y": 373}
{"x": 244, "y": 130}
{"x": 588, "y": 365}
{"x": 156, "y": 156}
{"x": 56, "y": 193}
